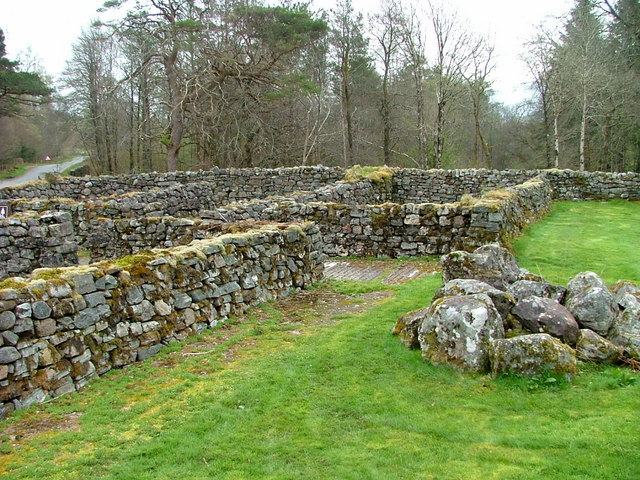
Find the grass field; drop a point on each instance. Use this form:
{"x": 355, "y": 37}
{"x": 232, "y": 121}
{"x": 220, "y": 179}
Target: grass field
{"x": 602, "y": 237}
{"x": 316, "y": 387}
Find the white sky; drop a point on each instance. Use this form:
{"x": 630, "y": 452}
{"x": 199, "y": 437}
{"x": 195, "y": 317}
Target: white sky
{"x": 49, "y": 27}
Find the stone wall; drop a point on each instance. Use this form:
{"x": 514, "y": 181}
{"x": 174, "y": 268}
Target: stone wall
{"x": 227, "y": 184}
{"x": 446, "y": 186}
{"x": 388, "y": 229}
{"x": 57, "y": 334}
{"x": 30, "y": 241}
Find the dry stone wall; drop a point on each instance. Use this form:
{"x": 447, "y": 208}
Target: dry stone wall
{"x": 229, "y": 184}
{"x": 56, "y": 334}
{"x": 31, "y": 241}
{"x": 446, "y": 186}
{"x": 388, "y": 229}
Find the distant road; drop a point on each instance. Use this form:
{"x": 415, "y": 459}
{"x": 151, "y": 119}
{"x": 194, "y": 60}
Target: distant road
{"x": 34, "y": 172}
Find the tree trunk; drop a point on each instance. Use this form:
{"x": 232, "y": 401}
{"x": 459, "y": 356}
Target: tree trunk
{"x": 346, "y": 114}
{"x": 385, "y": 111}
{"x": 556, "y": 139}
{"x": 176, "y": 120}
{"x": 583, "y": 133}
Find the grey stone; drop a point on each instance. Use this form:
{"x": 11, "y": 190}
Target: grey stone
{"x": 182, "y": 300}
{"x": 591, "y": 302}
{"x": 40, "y": 310}
{"x": 7, "y": 320}
{"x": 503, "y": 301}
{"x": 625, "y": 331}
{"x": 134, "y": 295}
{"x": 94, "y": 299}
{"x": 530, "y": 288}
{"x": 87, "y": 317}
{"x": 145, "y": 353}
{"x": 108, "y": 282}
{"x": 532, "y": 355}
{"x": 143, "y": 311}
{"x": 491, "y": 264}
{"x": 458, "y": 330}
{"x": 84, "y": 283}
{"x": 23, "y": 310}
{"x": 544, "y": 315}
{"x": 9, "y": 355}
{"x": 594, "y": 348}
{"x": 162, "y": 308}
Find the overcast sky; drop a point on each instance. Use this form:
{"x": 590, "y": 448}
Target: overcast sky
{"x": 49, "y": 27}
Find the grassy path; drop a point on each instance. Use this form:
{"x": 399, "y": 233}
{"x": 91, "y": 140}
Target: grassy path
{"x": 317, "y": 388}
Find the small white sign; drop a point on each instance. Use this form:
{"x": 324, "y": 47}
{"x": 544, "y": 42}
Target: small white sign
{"x": 5, "y": 211}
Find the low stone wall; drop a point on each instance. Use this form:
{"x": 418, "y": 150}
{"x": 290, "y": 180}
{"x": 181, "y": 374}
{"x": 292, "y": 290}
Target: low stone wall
{"x": 572, "y": 185}
{"x": 30, "y": 241}
{"x": 446, "y": 186}
{"x": 229, "y": 184}
{"x": 58, "y": 333}
{"x": 388, "y": 229}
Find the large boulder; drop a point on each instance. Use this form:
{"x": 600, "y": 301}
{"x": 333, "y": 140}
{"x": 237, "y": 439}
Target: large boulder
{"x": 625, "y": 331}
{"x": 458, "y": 331}
{"x": 532, "y": 355}
{"x": 407, "y": 327}
{"x": 490, "y": 263}
{"x": 544, "y": 315}
{"x": 624, "y": 287}
{"x": 531, "y": 288}
{"x": 591, "y": 302}
{"x": 503, "y": 301}
{"x": 594, "y": 348}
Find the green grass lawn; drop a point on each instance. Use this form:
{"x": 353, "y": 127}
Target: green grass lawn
{"x": 602, "y": 237}
{"x": 300, "y": 390}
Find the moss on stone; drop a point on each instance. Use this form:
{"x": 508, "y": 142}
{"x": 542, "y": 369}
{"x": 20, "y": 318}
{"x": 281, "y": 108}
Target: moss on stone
{"x": 378, "y": 175}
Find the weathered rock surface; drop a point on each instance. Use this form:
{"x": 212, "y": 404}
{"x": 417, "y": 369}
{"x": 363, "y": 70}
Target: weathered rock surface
{"x": 503, "y": 301}
{"x": 407, "y": 326}
{"x": 594, "y": 348}
{"x": 625, "y": 331}
{"x": 591, "y": 302}
{"x": 530, "y": 288}
{"x": 544, "y": 315}
{"x": 458, "y": 331}
{"x": 491, "y": 264}
{"x": 532, "y": 355}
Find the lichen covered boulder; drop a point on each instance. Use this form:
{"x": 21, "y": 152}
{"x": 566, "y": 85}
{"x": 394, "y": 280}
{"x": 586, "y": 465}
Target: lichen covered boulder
{"x": 532, "y": 355}
{"x": 458, "y": 331}
{"x": 625, "y": 331}
{"x": 491, "y": 264}
{"x": 594, "y": 348}
{"x": 531, "y": 288}
{"x": 503, "y": 301}
{"x": 544, "y": 315}
{"x": 591, "y": 302}
{"x": 406, "y": 328}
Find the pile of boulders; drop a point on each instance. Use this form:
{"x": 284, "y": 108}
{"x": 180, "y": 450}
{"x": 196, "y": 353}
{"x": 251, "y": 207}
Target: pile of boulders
{"x": 492, "y": 315}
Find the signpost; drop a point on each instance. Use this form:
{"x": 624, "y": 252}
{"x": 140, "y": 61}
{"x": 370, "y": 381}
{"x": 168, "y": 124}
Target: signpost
{"x": 5, "y": 210}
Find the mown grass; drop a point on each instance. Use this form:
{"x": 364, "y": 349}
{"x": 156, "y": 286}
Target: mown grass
{"x": 603, "y": 237}
{"x": 280, "y": 396}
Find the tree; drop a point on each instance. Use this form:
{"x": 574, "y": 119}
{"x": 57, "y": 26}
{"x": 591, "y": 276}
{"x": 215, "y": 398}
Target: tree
{"x": 350, "y": 53}
{"x": 387, "y": 33}
{"x": 413, "y": 47}
{"x": 452, "y": 59}
{"x": 17, "y": 87}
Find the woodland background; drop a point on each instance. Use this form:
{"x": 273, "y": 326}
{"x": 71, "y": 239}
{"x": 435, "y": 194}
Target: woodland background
{"x": 192, "y": 84}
